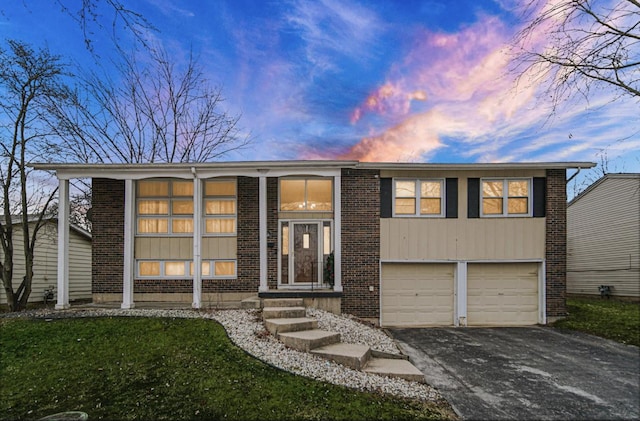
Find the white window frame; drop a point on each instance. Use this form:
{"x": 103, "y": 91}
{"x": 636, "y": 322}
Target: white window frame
{"x": 305, "y": 179}
{"x": 206, "y": 217}
{"x": 505, "y": 197}
{"x": 170, "y": 216}
{"x": 187, "y": 267}
{"x": 418, "y": 196}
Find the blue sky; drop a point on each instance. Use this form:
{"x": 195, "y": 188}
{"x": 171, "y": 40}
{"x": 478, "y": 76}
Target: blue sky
{"x": 418, "y": 81}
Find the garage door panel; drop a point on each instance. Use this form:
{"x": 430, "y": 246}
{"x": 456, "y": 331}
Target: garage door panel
{"x": 417, "y": 294}
{"x": 502, "y": 294}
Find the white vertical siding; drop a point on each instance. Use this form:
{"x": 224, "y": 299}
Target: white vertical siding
{"x": 45, "y": 266}
{"x": 603, "y": 237}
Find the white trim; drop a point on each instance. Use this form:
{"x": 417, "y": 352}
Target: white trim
{"x": 460, "y": 292}
{"x": 542, "y": 292}
{"x": 505, "y": 198}
{"x": 129, "y": 238}
{"x": 197, "y": 241}
{"x": 337, "y": 232}
{"x": 63, "y": 245}
{"x": 417, "y": 197}
{"x": 262, "y": 208}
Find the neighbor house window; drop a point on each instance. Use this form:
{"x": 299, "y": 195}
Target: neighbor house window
{"x": 306, "y": 195}
{"x": 164, "y": 207}
{"x": 506, "y": 197}
{"x": 183, "y": 269}
{"x": 418, "y": 197}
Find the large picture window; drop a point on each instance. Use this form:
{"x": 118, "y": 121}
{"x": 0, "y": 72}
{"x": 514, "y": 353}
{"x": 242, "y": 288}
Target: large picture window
{"x": 306, "y": 195}
{"x": 506, "y": 197}
{"x": 418, "y": 197}
{"x": 220, "y": 207}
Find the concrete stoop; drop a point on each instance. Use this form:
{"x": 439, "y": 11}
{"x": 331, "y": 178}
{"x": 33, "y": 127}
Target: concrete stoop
{"x": 285, "y": 319}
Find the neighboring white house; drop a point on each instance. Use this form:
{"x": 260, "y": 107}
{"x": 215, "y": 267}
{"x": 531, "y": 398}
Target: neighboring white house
{"x": 603, "y": 237}
{"x": 45, "y": 269}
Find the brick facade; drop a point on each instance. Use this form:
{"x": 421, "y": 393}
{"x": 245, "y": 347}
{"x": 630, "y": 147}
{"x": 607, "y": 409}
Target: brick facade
{"x": 361, "y": 242}
{"x": 107, "y": 219}
{"x": 248, "y": 266}
{"x": 556, "y": 243}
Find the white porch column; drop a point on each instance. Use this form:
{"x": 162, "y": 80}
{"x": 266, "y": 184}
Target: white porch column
{"x": 197, "y": 240}
{"x": 129, "y": 230}
{"x": 337, "y": 232}
{"x": 262, "y": 204}
{"x": 461, "y": 294}
{"x": 63, "y": 245}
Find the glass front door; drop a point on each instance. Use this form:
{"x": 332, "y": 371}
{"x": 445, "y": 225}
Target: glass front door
{"x": 304, "y": 249}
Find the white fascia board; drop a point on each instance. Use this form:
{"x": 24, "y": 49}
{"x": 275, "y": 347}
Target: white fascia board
{"x": 474, "y": 166}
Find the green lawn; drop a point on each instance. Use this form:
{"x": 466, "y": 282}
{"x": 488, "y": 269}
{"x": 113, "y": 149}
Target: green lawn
{"x": 176, "y": 369}
{"x": 610, "y": 319}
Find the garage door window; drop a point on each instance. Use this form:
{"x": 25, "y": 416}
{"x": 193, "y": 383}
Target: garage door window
{"x": 506, "y": 197}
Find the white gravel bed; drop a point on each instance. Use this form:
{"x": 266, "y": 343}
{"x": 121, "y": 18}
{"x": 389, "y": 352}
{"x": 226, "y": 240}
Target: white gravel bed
{"x": 246, "y": 330}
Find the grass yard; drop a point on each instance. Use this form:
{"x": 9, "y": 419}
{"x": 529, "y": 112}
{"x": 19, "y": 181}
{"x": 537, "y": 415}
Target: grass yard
{"x": 616, "y": 320}
{"x": 174, "y": 369}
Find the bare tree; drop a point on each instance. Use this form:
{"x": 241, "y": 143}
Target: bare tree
{"x": 29, "y": 82}
{"x": 156, "y": 112}
{"x": 579, "y": 45}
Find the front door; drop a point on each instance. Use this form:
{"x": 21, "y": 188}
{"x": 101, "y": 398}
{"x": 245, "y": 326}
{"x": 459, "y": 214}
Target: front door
{"x": 305, "y": 267}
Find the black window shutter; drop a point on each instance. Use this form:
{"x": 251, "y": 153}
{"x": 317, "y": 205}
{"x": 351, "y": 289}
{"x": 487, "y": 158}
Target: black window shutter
{"x": 386, "y": 197}
{"x": 539, "y": 197}
{"x": 451, "y": 210}
{"x": 473, "y": 197}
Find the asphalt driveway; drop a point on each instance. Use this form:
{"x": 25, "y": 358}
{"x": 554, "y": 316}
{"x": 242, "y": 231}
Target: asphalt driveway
{"x": 527, "y": 373}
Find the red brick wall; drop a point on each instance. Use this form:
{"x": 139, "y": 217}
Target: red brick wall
{"x": 361, "y": 242}
{"x": 248, "y": 265}
{"x": 108, "y": 235}
{"x": 556, "y": 243}
{"x": 272, "y": 228}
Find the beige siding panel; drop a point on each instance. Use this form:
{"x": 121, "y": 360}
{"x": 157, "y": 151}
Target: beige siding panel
{"x": 417, "y": 294}
{"x": 502, "y": 294}
{"x": 462, "y": 239}
{"x": 219, "y": 248}
{"x": 603, "y": 238}
{"x": 79, "y": 267}
{"x": 164, "y": 248}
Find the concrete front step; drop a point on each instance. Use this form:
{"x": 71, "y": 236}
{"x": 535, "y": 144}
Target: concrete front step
{"x": 350, "y": 355}
{"x": 275, "y": 326}
{"x": 394, "y": 368}
{"x": 307, "y": 340}
{"x": 250, "y": 303}
{"x": 282, "y": 302}
{"x": 283, "y": 312}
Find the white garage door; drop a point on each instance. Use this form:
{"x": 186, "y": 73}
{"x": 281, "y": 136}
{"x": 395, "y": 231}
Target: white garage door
{"x": 417, "y": 294}
{"x": 502, "y": 294}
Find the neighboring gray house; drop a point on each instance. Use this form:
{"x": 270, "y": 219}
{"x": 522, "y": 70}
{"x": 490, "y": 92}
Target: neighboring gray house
{"x": 603, "y": 238}
{"x": 45, "y": 267}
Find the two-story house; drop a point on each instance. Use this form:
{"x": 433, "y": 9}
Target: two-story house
{"x": 401, "y": 244}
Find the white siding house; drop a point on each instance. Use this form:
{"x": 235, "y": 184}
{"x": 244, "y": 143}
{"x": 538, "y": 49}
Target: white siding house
{"x": 46, "y": 260}
{"x": 603, "y": 237}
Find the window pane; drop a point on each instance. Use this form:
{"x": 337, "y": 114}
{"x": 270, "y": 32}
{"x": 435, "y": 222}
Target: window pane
{"x": 492, "y": 206}
{"x": 182, "y": 207}
{"x": 153, "y": 188}
{"x": 225, "y": 268}
{"x": 405, "y": 206}
{"x": 153, "y": 207}
{"x": 405, "y": 188}
{"x": 430, "y": 206}
{"x": 518, "y": 206}
{"x": 220, "y": 207}
{"x": 326, "y": 241}
{"x": 181, "y": 226}
{"x": 319, "y": 195}
{"x": 492, "y": 188}
{"x": 519, "y": 188}
{"x": 149, "y": 268}
{"x": 183, "y": 188}
{"x": 205, "y": 271}
{"x": 221, "y": 226}
{"x": 430, "y": 189}
{"x": 153, "y": 225}
{"x": 292, "y": 195}
{"x": 285, "y": 240}
{"x": 220, "y": 188}
{"x": 174, "y": 268}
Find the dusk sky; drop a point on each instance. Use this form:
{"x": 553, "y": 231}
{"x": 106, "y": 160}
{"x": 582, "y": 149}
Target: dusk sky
{"x": 416, "y": 81}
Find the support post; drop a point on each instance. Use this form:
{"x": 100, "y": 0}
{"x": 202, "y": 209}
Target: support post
{"x": 262, "y": 203}
{"x": 63, "y": 245}
{"x": 337, "y": 231}
{"x": 129, "y": 229}
{"x": 197, "y": 240}
{"x": 461, "y": 294}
